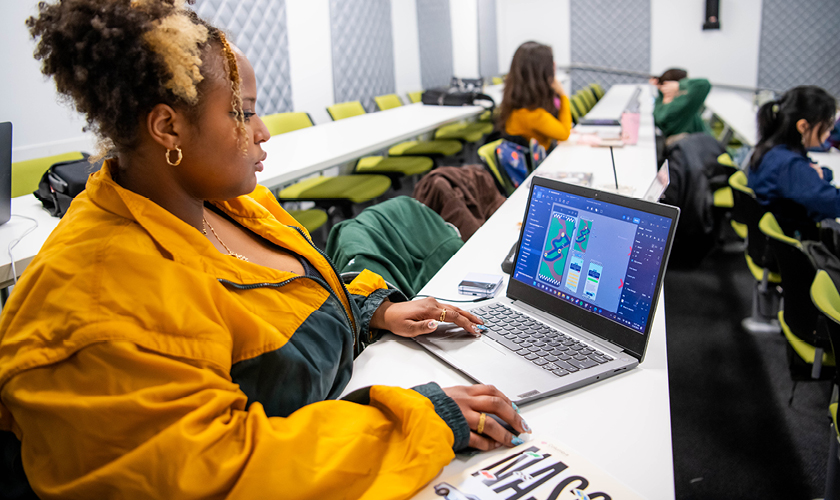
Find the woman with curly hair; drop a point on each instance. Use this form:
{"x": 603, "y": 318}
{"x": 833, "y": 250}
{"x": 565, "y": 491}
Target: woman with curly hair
{"x": 179, "y": 336}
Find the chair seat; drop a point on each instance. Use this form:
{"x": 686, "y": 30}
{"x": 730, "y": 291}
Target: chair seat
{"x": 803, "y": 349}
{"x": 412, "y": 165}
{"x": 740, "y": 229}
{"x": 468, "y": 132}
{"x": 486, "y": 116}
{"x": 723, "y": 198}
{"x": 426, "y": 148}
{"x": 832, "y": 409}
{"x": 311, "y": 219}
{"x": 354, "y": 188}
{"x": 758, "y": 272}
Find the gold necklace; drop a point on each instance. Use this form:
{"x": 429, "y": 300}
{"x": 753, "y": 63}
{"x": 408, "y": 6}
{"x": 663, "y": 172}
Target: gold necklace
{"x": 230, "y": 252}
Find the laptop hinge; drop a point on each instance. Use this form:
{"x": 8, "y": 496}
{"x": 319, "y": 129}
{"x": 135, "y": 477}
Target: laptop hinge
{"x": 575, "y": 330}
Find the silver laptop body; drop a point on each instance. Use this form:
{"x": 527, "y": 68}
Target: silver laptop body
{"x": 659, "y": 185}
{"x": 606, "y": 312}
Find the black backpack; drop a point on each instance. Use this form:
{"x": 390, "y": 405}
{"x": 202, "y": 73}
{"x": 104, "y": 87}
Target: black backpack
{"x": 62, "y": 182}
{"x": 443, "y": 96}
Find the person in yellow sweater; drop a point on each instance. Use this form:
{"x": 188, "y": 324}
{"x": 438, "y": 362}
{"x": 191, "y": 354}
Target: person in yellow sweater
{"x": 179, "y": 336}
{"x": 534, "y": 104}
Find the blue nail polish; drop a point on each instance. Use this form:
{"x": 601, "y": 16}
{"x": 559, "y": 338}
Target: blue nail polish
{"x": 516, "y": 441}
{"x": 515, "y": 408}
{"x": 481, "y": 328}
{"x": 526, "y": 426}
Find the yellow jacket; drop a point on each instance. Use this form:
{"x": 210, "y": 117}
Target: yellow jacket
{"x": 539, "y": 124}
{"x": 136, "y": 361}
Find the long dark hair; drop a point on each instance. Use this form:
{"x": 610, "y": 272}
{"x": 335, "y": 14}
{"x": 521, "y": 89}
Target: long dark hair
{"x": 528, "y": 84}
{"x": 777, "y": 119}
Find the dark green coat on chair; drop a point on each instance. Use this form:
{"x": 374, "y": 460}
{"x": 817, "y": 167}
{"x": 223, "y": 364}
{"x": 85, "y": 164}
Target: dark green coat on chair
{"x": 401, "y": 240}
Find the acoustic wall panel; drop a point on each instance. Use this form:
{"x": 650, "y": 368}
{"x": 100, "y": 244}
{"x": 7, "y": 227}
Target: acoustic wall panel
{"x": 800, "y": 43}
{"x": 610, "y": 33}
{"x": 488, "y": 58}
{"x": 362, "y": 50}
{"x": 434, "y": 28}
{"x": 259, "y": 30}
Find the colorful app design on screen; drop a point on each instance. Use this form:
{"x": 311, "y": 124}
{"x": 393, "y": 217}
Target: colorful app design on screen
{"x": 582, "y": 237}
{"x": 558, "y": 241}
{"x": 575, "y": 267}
{"x": 593, "y": 278}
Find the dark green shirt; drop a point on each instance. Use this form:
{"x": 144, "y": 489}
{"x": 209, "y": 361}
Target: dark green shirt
{"x": 682, "y": 115}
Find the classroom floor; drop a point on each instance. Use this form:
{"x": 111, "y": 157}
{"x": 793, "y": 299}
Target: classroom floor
{"x": 734, "y": 434}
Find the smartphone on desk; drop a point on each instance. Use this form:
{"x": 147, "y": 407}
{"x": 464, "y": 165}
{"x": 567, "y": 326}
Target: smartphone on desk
{"x": 481, "y": 285}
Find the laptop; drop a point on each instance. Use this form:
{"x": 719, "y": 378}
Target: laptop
{"x": 5, "y": 172}
{"x": 581, "y": 299}
{"x": 659, "y": 185}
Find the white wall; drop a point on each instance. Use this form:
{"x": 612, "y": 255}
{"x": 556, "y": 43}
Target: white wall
{"x": 728, "y": 56}
{"x": 406, "y": 47}
{"x": 464, "y": 16}
{"x": 544, "y": 21}
{"x": 41, "y": 125}
{"x": 310, "y": 57}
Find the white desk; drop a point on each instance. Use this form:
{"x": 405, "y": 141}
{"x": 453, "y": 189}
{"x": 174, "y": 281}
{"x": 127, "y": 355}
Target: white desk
{"x": 29, "y": 246}
{"x": 830, "y": 159}
{"x": 737, "y": 111}
{"x": 623, "y": 424}
{"x": 299, "y": 153}
{"x": 614, "y": 102}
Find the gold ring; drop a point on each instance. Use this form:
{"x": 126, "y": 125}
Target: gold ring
{"x": 443, "y": 316}
{"x": 481, "y": 418}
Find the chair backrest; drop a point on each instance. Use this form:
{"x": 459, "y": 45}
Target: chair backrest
{"x": 280, "y": 123}
{"x": 387, "y": 101}
{"x": 826, "y": 298}
{"x": 344, "y": 110}
{"x": 738, "y": 183}
{"x": 587, "y": 97}
{"x": 488, "y": 154}
{"x": 797, "y": 272}
{"x": 578, "y": 104}
{"x": 575, "y": 115}
{"x": 27, "y": 174}
{"x": 598, "y": 90}
{"x": 415, "y": 96}
{"x": 497, "y": 80}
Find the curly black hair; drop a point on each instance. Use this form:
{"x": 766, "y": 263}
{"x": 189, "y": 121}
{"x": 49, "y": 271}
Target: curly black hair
{"x": 99, "y": 54}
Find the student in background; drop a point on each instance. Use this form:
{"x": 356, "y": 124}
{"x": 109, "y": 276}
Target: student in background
{"x": 179, "y": 335}
{"x": 780, "y": 170}
{"x": 677, "y": 108}
{"x": 534, "y": 104}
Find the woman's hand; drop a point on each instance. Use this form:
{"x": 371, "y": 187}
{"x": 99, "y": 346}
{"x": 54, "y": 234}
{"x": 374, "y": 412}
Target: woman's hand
{"x": 558, "y": 87}
{"x": 818, "y": 169}
{"x": 669, "y": 90}
{"x": 474, "y": 400}
{"x": 419, "y": 317}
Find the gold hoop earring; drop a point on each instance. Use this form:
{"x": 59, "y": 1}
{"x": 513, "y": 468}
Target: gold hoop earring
{"x": 178, "y": 161}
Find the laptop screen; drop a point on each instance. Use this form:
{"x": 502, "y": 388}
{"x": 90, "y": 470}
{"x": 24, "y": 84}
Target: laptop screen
{"x": 5, "y": 171}
{"x": 659, "y": 185}
{"x": 600, "y": 256}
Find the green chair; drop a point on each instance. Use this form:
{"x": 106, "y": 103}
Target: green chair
{"x": 326, "y": 192}
{"x": 400, "y": 239}
{"x": 487, "y": 153}
{"x": 414, "y": 97}
{"x": 587, "y": 98}
{"x": 437, "y": 148}
{"x": 497, "y": 80}
{"x": 760, "y": 260}
{"x": 598, "y": 90}
{"x": 280, "y": 123}
{"x": 312, "y": 219}
{"x": 797, "y": 316}
{"x": 388, "y": 101}
{"x": 579, "y": 104}
{"x": 26, "y": 175}
{"x": 575, "y": 115}
{"x": 826, "y": 298}
{"x": 723, "y": 201}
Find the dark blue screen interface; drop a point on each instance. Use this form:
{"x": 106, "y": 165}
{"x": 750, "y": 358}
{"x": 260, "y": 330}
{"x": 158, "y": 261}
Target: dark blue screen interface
{"x": 598, "y": 256}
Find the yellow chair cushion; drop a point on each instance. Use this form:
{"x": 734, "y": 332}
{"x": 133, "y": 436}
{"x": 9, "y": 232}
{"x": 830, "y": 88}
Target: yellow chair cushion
{"x": 723, "y": 198}
{"x": 389, "y": 101}
{"x": 354, "y": 188}
{"x": 497, "y": 80}
{"x": 832, "y": 408}
{"x": 409, "y": 165}
{"x": 280, "y": 123}
{"x": 740, "y": 229}
{"x": 758, "y": 272}
{"x": 344, "y": 110}
{"x": 311, "y": 219}
{"x": 415, "y": 96}
{"x": 468, "y": 132}
{"x": 27, "y": 174}
{"x": 805, "y": 350}
{"x": 426, "y": 148}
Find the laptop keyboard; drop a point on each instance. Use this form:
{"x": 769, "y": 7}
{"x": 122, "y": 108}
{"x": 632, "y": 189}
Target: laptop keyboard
{"x": 537, "y": 342}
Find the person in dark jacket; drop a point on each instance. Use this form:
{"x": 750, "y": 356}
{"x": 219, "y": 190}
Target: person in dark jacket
{"x": 780, "y": 170}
